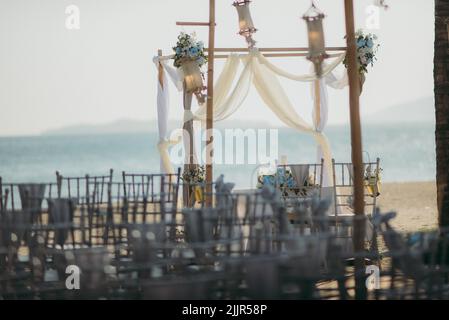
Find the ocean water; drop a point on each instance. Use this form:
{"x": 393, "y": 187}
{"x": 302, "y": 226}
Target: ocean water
{"x": 407, "y": 153}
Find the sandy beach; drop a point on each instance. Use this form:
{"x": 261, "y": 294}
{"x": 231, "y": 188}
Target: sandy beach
{"x": 415, "y": 203}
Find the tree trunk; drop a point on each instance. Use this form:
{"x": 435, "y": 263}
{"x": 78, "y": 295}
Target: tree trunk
{"x": 441, "y": 77}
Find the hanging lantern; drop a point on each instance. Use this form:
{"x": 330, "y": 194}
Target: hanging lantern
{"x": 192, "y": 76}
{"x": 246, "y": 25}
{"x": 317, "y": 49}
{"x": 381, "y": 3}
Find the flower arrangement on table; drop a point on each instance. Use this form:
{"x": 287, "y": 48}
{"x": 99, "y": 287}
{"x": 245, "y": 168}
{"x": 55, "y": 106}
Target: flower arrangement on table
{"x": 190, "y": 58}
{"x": 284, "y": 180}
{"x": 193, "y": 178}
{"x": 366, "y": 53}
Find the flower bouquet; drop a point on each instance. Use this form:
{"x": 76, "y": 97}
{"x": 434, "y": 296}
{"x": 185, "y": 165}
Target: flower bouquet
{"x": 366, "y": 54}
{"x": 282, "y": 179}
{"x": 193, "y": 177}
{"x": 285, "y": 178}
{"x": 189, "y": 57}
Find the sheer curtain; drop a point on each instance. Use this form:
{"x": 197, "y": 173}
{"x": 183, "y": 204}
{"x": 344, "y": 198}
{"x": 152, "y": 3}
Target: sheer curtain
{"x": 163, "y": 110}
{"x": 274, "y": 96}
{"x": 228, "y": 99}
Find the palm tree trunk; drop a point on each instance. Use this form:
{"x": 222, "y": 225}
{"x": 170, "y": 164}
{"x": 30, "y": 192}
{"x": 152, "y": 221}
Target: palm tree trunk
{"x": 441, "y": 77}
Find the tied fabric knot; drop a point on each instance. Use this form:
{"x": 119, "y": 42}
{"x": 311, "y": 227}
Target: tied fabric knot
{"x": 188, "y": 116}
{"x": 163, "y": 146}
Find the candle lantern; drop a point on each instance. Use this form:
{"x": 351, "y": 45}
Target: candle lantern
{"x": 192, "y": 76}
{"x": 246, "y": 25}
{"x": 317, "y": 49}
{"x": 381, "y": 3}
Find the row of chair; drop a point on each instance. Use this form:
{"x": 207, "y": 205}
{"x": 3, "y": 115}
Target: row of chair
{"x": 136, "y": 238}
{"x": 217, "y": 261}
{"x": 132, "y": 240}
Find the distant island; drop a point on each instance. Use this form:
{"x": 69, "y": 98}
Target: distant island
{"x": 419, "y": 111}
{"x": 119, "y": 126}
{"x": 133, "y": 126}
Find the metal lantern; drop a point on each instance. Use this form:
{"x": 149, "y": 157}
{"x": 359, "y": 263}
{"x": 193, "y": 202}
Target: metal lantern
{"x": 381, "y": 3}
{"x": 192, "y": 76}
{"x": 317, "y": 48}
{"x": 246, "y": 25}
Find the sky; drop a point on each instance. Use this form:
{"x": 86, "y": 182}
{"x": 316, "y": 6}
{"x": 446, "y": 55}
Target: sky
{"x": 52, "y": 77}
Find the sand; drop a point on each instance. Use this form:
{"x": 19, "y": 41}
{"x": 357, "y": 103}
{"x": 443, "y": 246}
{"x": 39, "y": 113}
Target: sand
{"x": 414, "y": 202}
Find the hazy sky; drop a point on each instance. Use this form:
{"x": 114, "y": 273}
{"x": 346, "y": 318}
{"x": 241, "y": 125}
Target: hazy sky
{"x": 52, "y": 77}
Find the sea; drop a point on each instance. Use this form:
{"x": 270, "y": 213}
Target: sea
{"x": 407, "y": 153}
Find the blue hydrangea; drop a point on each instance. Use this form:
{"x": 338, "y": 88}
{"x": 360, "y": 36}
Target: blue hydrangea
{"x": 361, "y": 43}
{"x": 284, "y": 178}
{"x": 281, "y": 179}
{"x": 194, "y": 51}
{"x": 370, "y": 43}
{"x": 280, "y": 176}
{"x": 268, "y": 180}
{"x": 291, "y": 182}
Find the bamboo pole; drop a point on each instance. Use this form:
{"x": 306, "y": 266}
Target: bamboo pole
{"x": 160, "y": 70}
{"x": 210, "y": 105}
{"x": 357, "y": 155}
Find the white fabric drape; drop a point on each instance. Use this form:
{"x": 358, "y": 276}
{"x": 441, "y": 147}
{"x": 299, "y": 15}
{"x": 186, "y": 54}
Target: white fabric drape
{"x": 227, "y": 100}
{"x": 321, "y": 104}
{"x": 320, "y": 115}
{"x": 320, "y": 101}
{"x": 272, "y": 93}
{"x": 163, "y": 110}
{"x": 261, "y": 73}
{"x": 327, "y": 69}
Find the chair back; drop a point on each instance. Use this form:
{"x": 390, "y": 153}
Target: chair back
{"x": 88, "y": 188}
{"x": 344, "y": 184}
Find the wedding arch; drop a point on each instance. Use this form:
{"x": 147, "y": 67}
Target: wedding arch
{"x": 258, "y": 71}
{"x": 232, "y": 88}
{"x": 263, "y": 75}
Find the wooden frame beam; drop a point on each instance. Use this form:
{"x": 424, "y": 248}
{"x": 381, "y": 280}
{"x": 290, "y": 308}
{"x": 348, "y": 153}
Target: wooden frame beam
{"x": 287, "y": 49}
{"x": 197, "y": 24}
{"x": 274, "y": 55}
{"x": 267, "y": 55}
